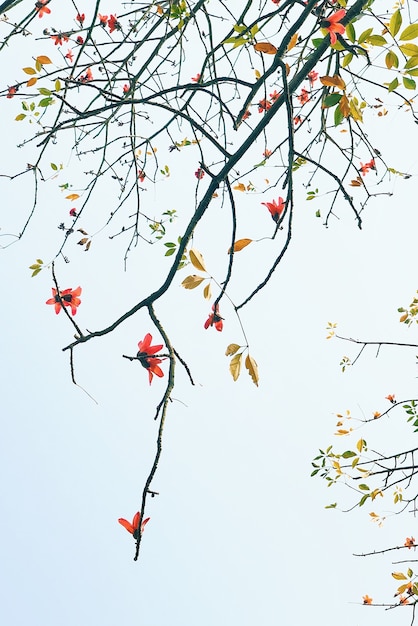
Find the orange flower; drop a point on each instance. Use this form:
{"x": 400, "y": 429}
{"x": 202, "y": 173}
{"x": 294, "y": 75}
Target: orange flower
{"x": 134, "y": 527}
{"x": 196, "y": 78}
{"x": 102, "y": 20}
{"x": 41, "y": 7}
{"x": 59, "y": 39}
{"x": 215, "y": 319}
{"x": 11, "y": 91}
{"x": 69, "y": 56}
{"x": 68, "y": 297}
{"x": 246, "y": 115}
{"x": 87, "y": 76}
{"x": 403, "y": 600}
{"x": 267, "y": 153}
{"x": 332, "y": 26}
{"x": 409, "y": 542}
{"x": 376, "y": 415}
{"x": 364, "y": 169}
{"x": 275, "y": 208}
{"x": 274, "y": 96}
{"x": 297, "y": 120}
{"x": 145, "y": 352}
{"x": 391, "y": 398}
{"x": 367, "y": 599}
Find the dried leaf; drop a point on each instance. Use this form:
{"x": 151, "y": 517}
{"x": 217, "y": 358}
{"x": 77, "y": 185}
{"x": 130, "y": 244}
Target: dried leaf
{"x": 265, "y": 47}
{"x": 88, "y": 244}
{"x": 83, "y": 232}
{"x": 83, "y": 241}
{"x": 399, "y": 576}
{"x": 240, "y": 244}
{"x": 239, "y": 187}
{"x": 29, "y": 70}
{"x": 235, "y": 366}
{"x": 32, "y": 81}
{"x": 292, "y": 42}
{"x": 252, "y": 368}
{"x": 231, "y": 349}
{"x": 72, "y": 196}
{"x": 191, "y": 282}
{"x": 43, "y": 59}
{"x": 207, "y": 292}
{"x": 333, "y": 81}
{"x": 197, "y": 260}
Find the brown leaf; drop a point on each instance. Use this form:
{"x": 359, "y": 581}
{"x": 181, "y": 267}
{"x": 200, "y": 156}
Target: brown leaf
{"x": 240, "y": 244}
{"x": 333, "y": 81}
{"x": 265, "y": 47}
{"x": 231, "y": 349}
{"x": 193, "y": 281}
{"x": 197, "y": 260}
{"x": 252, "y": 368}
{"x": 235, "y": 366}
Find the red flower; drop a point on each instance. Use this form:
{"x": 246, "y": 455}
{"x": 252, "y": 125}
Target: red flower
{"x": 141, "y": 175}
{"x": 199, "y": 173}
{"x": 215, "y": 319}
{"x": 267, "y": 153}
{"x": 246, "y": 115}
{"x": 80, "y": 40}
{"x": 367, "y": 599}
{"x": 264, "y": 105}
{"x": 68, "y": 297}
{"x": 409, "y": 542}
{"x": 11, "y": 91}
{"x": 196, "y": 78}
{"x": 364, "y": 169}
{"x": 332, "y": 26}
{"x": 304, "y": 96}
{"x": 312, "y": 77}
{"x": 126, "y": 88}
{"x": 87, "y": 76}
{"x": 297, "y": 120}
{"x": 69, "y": 56}
{"x": 275, "y": 208}
{"x": 41, "y": 7}
{"x": 274, "y": 96}
{"x": 276, "y": 1}
{"x": 73, "y": 213}
{"x": 134, "y": 527}
{"x": 102, "y": 20}
{"x": 59, "y": 39}
{"x": 80, "y": 17}
{"x": 113, "y": 23}
{"x": 146, "y": 350}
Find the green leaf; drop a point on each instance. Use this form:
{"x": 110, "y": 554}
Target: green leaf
{"x": 20, "y": 117}
{"x": 347, "y": 59}
{"x": 364, "y": 487}
{"x": 410, "y": 32}
{"x": 331, "y": 100}
{"x": 392, "y": 86}
{"x": 57, "y": 85}
{"x": 350, "y": 32}
{"x": 409, "y": 49}
{"x": 45, "y": 102}
{"x": 348, "y": 454}
{"x": 363, "y": 499}
{"x": 365, "y": 35}
{"x": 54, "y": 167}
{"x": 338, "y": 116}
{"x": 317, "y": 42}
{"x": 408, "y": 83}
{"x": 35, "y": 272}
{"x": 391, "y": 60}
{"x": 170, "y": 251}
{"x": 412, "y": 62}
{"x": 395, "y": 23}
{"x": 331, "y": 506}
{"x": 376, "y": 40}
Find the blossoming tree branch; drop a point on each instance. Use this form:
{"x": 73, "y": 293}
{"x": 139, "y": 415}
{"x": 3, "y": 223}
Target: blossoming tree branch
{"x": 269, "y": 101}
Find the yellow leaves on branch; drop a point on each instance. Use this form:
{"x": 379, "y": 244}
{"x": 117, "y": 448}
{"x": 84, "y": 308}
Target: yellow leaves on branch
{"x": 193, "y": 281}
{"x": 333, "y": 81}
{"x": 236, "y": 362}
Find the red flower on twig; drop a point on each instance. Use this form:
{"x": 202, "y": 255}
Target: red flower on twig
{"x": 85, "y": 78}
{"x": 215, "y": 319}
{"x": 113, "y": 23}
{"x": 134, "y": 527}
{"x": 304, "y": 96}
{"x": 68, "y": 297}
{"x": 365, "y": 169}
{"x": 73, "y": 212}
{"x": 275, "y": 208}
{"x": 80, "y": 40}
{"x": 102, "y": 20}
{"x": 196, "y": 78}
{"x": 59, "y": 39}
{"x": 145, "y": 352}
{"x": 11, "y": 91}
{"x": 264, "y": 105}
{"x": 409, "y": 542}
{"x": 41, "y": 7}
{"x": 199, "y": 173}
{"x": 312, "y": 77}
{"x": 80, "y": 17}
{"x": 125, "y": 88}
{"x": 69, "y": 56}
{"x": 332, "y": 25}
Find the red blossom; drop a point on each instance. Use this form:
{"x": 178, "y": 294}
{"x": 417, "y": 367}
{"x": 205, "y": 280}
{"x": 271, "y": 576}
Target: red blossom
{"x": 215, "y": 319}
{"x": 199, "y": 173}
{"x": 145, "y": 352}
{"x": 297, "y": 120}
{"x": 41, "y": 7}
{"x": 113, "y": 23}
{"x": 264, "y": 105}
{"x": 141, "y": 175}
{"x": 70, "y": 56}
{"x": 312, "y": 77}
{"x": 11, "y": 91}
{"x": 68, "y": 297}
{"x": 125, "y": 88}
{"x": 102, "y": 20}
{"x": 274, "y": 96}
{"x": 267, "y": 153}
{"x": 196, "y": 78}
{"x": 275, "y": 208}
{"x": 391, "y": 398}
{"x": 332, "y": 26}
{"x": 73, "y": 212}
{"x": 85, "y": 78}
{"x": 134, "y": 526}
{"x": 80, "y": 17}
{"x": 59, "y": 39}
{"x": 80, "y": 40}
{"x": 365, "y": 169}
{"x": 304, "y": 96}
{"x": 246, "y": 115}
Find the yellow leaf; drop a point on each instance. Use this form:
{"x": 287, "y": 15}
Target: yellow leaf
{"x": 191, "y": 282}
{"x": 44, "y": 60}
{"x": 235, "y": 366}
{"x": 333, "y": 81}
{"x": 360, "y": 444}
{"x": 207, "y": 292}
{"x": 231, "y": 349}
{"x": 72, "y": 196}
{"x": 240, "y": 244}
{"x": 399, "y": 576}
{"x": 404, "y": 317}
{"x": 344, "y": 106}
{"x": 355, "y": 111}
{"x": 29, "y": 70}
{"x": 251, "y": 366}
{"x": 265, "y": 47}
{"x": 292, "y": 42}
{"x": 159, "y": 9}
{"x": 197, "y": 260}
{"x": 257, "y": 74}
{"x": 240, "y": 187}
{"x": 31, "y": 81}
